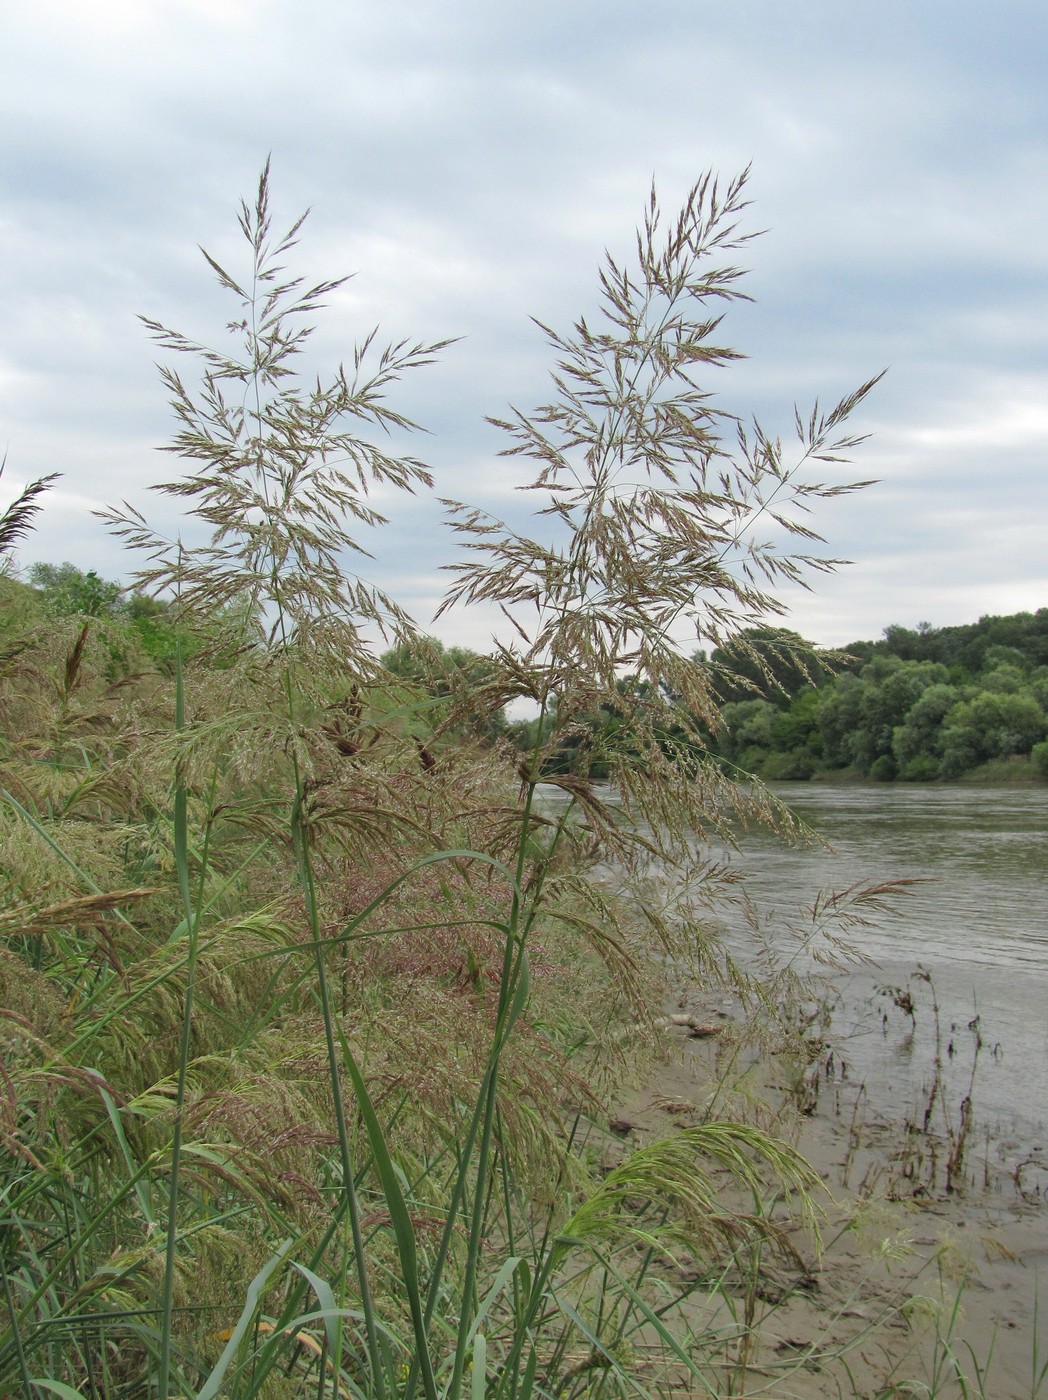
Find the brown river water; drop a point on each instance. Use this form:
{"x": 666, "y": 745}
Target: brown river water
{"x": 977, "y": 923}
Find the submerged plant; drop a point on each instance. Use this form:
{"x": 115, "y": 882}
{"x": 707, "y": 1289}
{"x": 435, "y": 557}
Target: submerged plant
{"x": 334, "y": 859}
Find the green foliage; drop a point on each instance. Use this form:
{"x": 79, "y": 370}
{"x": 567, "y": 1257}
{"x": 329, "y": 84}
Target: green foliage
{"x": 884, "y": 768}
{"x": 897, "y": 712}
{"x": 993, "y": 724}
{"x": 1021, "y": 639}
{"x": 891, "y": 712}
{"x": 154, "y": 622}
{"x": 69, "y": 592}
{"x": 134, "y": 622}
{"x": 917, "y": 737}
{"x": 921, "y": 768}
{"x": 798, "y": 728}
{"x": 1039, "y": 758}
{"x": 788, "y": 767}
{"x": 746, "y": 731}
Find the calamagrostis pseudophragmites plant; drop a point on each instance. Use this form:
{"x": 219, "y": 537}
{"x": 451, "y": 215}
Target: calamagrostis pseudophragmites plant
{"x": 281, "y": 468}
{"x": 281, "y": 472}
{"x": 425, "y": 1262}
{"x": 670, "y": 523}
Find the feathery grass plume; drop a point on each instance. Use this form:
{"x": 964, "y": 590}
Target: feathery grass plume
{"x": 17, "y": 519}
{"x": 671, "y": 525}
{"x": 279, "y": 463}
{"x": 279, "y": 473}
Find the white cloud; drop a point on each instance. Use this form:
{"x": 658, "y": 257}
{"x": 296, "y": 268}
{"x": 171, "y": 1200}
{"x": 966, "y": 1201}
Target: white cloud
{"x": 472, "y": 162}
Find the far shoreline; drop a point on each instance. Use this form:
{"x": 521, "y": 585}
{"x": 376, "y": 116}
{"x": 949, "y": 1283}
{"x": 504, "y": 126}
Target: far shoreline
{"x": 1016, "y": 771}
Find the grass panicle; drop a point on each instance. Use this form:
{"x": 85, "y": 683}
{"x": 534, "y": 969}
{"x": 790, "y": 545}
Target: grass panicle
{"x": 320, "y": 986}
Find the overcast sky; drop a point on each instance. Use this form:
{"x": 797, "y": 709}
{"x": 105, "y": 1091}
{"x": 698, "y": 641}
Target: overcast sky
{"x": 470, "y": 162}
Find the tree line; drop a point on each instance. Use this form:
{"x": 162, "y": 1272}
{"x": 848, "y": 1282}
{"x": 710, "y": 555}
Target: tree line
{"x": 917, "y": 705}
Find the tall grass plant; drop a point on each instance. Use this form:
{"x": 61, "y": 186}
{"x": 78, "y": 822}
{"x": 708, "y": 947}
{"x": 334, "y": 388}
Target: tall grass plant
{"x": 307, "y": 995}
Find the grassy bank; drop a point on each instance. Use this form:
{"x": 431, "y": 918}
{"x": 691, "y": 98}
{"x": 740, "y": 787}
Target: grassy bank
{"x": 300, "y": 1052}
{"x": 308, "y": 1001}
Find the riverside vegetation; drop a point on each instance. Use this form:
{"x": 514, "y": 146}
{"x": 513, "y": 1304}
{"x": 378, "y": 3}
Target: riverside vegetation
{"x": 918, "y": 705}
{"x": 310, "y": 1005}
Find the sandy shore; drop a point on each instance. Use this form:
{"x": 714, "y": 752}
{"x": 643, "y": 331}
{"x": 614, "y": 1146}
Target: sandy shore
{"x": 911, "y": 1289}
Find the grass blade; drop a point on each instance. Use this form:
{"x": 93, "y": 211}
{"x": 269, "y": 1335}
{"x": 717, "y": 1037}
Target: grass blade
{"x": 212, "y": 1386}
{"x": 400, "y": 1218}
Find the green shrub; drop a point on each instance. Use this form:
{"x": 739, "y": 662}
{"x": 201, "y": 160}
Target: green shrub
{"x": 922, "y": 769}
{"x": 788, "y": 767}
{"x": 1039, "y": 758}
{"x": 884, "y": 769}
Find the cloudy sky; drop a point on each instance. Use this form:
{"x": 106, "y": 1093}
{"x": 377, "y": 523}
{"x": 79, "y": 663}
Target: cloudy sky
{"x": 469, "y": 162}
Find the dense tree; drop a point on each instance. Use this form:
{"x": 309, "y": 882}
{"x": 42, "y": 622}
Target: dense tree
{"x": 70, "y": 592}
{"x": 918, "y": 705}
{"x": 990, "y": 725}
{"x": 972, "y": 647}
{"x": 915, "y": 742}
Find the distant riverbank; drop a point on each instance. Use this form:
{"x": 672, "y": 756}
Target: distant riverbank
{"x": 1017, "y": 771}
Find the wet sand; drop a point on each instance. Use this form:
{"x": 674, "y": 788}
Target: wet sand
{"x": 910, "y": 1284}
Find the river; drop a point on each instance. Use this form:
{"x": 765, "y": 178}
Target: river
{"x": 977, "y": 923}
